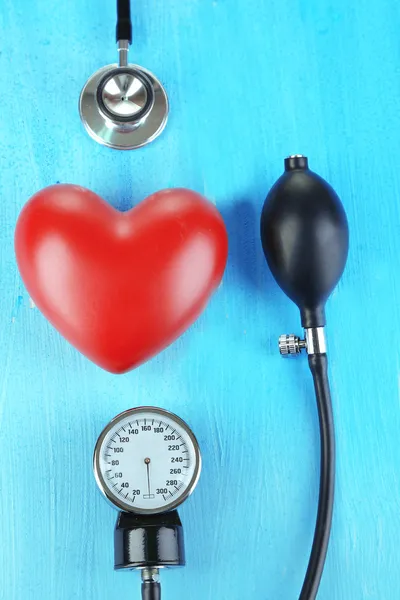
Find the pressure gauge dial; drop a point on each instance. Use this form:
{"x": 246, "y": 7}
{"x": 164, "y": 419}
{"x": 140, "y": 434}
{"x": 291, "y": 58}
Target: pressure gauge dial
{"x": 147, "y": 461}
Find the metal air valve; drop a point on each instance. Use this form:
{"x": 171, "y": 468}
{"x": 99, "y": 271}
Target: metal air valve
{"x": 313, "y": 342}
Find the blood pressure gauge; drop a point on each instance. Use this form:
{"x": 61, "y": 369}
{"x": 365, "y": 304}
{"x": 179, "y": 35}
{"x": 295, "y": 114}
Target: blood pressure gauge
{"x": 147, "y": 462}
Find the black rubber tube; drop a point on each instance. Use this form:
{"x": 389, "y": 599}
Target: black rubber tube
{"x": 151, "y": 590}
{"x": 319, "y": 369}
{"x": 124, "y": 23}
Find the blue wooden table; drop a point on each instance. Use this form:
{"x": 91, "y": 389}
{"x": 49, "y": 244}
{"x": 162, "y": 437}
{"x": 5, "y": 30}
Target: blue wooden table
{"x": 249, "y": 82}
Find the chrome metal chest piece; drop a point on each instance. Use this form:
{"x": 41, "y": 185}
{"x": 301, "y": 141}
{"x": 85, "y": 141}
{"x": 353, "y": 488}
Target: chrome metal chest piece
{"x": 123, "y": 106}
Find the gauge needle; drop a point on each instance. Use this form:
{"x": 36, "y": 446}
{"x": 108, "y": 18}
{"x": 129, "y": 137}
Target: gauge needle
{"x": 147, "y": 462}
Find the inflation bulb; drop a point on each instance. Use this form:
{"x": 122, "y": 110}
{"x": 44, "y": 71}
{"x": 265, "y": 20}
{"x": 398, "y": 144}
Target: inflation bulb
{"x": 305, "y": 238}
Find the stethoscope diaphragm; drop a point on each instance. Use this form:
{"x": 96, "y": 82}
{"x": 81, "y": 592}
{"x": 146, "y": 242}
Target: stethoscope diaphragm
{"x": 123, "y": 107}
{"x": 125, "y": 95}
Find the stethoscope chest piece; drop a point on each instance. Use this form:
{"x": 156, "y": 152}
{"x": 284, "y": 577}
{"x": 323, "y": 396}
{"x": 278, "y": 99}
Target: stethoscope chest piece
{"x": 123, "y": 107}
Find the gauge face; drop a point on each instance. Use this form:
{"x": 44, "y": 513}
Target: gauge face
{"x": 147, "y": 460}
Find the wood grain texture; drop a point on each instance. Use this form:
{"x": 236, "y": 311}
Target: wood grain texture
{"x": 249, "y": 82}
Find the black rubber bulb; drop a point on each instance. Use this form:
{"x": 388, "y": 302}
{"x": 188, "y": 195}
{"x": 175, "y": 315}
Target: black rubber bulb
{"x": 305, "y": 237}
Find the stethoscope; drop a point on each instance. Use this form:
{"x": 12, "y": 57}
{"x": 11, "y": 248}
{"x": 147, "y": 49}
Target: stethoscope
{"x": 123, "y": 106}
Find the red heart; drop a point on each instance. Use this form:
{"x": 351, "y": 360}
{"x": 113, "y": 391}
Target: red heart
{"x": 120, "y": 286}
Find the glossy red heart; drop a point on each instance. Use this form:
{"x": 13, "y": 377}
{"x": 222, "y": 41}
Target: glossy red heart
{"x": 120, "y": 286}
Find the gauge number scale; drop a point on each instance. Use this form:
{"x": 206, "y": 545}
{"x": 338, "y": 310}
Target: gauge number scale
{"x": 147, "y": 460}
